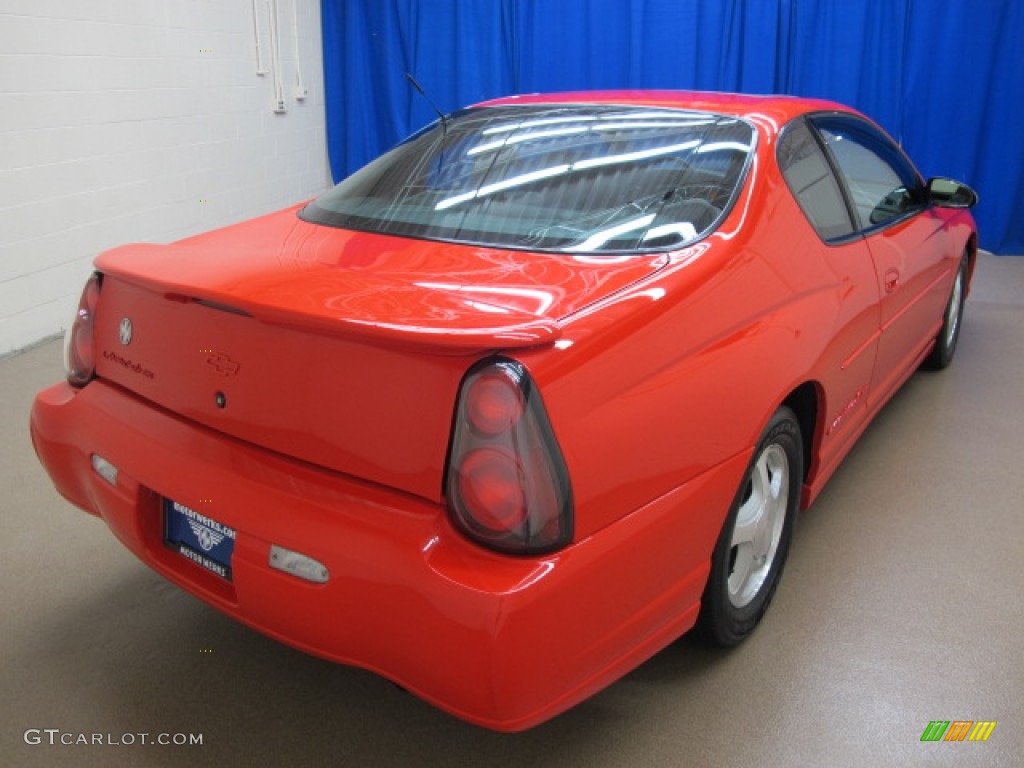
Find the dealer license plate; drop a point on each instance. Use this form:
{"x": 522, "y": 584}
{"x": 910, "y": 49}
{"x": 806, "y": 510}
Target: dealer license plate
{"x": 200, "y": 538}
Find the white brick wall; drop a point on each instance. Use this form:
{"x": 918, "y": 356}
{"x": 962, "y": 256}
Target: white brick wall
{"x": 140, "y": 120}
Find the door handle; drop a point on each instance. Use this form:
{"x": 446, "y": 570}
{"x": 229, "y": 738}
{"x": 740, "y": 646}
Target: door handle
{"x": 892, "y": 279}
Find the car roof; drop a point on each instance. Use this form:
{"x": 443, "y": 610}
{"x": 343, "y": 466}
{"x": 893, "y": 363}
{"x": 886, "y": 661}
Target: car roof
{"x": 770, "y": 112}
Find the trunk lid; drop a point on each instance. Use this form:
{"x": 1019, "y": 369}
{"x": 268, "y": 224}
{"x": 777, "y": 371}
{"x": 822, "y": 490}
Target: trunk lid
{"x": 339, "y": 348}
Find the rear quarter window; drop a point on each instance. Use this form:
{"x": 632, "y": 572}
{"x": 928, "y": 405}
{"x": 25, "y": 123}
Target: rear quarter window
{"x": 810, "y": 179}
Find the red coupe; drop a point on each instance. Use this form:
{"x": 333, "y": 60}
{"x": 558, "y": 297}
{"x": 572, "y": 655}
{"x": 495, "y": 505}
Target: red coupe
{"x": 523, "y": 400}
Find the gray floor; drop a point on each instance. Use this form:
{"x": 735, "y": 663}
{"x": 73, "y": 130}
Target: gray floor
{"x": 901, "y": 604}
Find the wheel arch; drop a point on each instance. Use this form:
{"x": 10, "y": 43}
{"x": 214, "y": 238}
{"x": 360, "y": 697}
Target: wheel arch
{"x": 972, "y": 256}
{"x": 805, "y": 401}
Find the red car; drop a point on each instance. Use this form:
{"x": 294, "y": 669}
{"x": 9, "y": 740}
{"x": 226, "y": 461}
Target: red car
{"x": 523, "y": 400}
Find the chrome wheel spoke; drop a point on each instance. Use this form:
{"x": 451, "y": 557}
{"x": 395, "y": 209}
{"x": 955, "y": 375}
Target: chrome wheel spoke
{"x": 748, "y": 521}
{"x": 743, "y": 564}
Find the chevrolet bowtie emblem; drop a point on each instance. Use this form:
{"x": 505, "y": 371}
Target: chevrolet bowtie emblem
{"x": 221, "y": 363}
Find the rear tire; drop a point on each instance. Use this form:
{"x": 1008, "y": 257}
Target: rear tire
{"x": 945, "y": 343}
{"x": 752, "y": 548}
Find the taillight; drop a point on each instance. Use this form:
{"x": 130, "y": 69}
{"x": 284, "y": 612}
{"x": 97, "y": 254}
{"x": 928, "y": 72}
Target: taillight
{"x": 507, "y": 485}
{"x": 79, "y": 345}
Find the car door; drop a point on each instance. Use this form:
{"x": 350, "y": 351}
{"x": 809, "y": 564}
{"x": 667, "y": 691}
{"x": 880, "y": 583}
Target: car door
{"x": 848, "y": 365}
{"x": 907, "y": 241}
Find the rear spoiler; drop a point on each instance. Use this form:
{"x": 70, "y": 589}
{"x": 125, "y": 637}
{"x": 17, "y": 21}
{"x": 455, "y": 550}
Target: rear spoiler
{"x": 330, "y": 300}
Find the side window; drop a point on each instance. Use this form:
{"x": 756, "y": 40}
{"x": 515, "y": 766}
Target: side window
{"x": 881, "y": 181}
{"x": 812, "y": 183}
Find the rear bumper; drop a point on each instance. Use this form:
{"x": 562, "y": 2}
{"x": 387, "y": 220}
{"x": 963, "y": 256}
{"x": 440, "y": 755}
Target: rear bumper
{"x": 499, "y": 641}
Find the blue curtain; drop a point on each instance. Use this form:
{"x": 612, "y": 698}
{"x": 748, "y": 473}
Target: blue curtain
{"x": 945, "y": 78}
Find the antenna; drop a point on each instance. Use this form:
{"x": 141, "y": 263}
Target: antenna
{"x": 440, "y": 114}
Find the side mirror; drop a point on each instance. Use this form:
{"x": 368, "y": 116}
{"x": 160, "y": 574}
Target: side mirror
{"x": 947, "y": 193}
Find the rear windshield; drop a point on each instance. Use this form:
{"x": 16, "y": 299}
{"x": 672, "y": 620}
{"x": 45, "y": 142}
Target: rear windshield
{"x": 572, "y": 178}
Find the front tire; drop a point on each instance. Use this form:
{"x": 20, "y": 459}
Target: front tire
{"x": 752, "y": 548}
{"x": 945, "y": 343}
